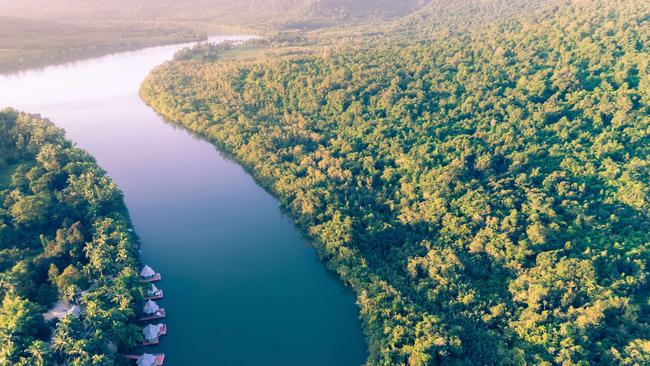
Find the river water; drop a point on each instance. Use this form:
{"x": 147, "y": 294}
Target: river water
{"x": 242, "y": 286}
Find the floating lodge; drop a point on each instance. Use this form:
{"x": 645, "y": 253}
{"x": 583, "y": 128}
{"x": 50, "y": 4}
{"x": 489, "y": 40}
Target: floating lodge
{"x": 149, "y": 275}
{"x": 152, "y": 333}
{"x": 154, "y": 293}
{"x": 151, "y": 311}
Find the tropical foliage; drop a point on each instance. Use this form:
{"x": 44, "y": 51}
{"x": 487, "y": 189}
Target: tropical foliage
{"x": 486, "y": 194}
{"x": 64, "y": 236}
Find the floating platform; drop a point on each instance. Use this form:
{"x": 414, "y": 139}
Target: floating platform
{"x": 155, "y": 278}
{"x": 152, "y": 342}
{"x": 159, "y": 358}
{"x": 157, "y": 315}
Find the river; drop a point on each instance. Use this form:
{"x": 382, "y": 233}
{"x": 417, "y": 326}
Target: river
{"x": 242, "y": 286}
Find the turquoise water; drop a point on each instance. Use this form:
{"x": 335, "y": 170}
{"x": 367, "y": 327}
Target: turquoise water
{"x": 242, "y": 286}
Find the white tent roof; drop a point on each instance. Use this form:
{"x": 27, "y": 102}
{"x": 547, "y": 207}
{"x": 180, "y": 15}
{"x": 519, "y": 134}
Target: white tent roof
{"x": 74, "y": 311}
{"x": 150, "y": 307}
{"x": 147, "y": 272}
{"x": 147, "y": 359}
{"x": 153, "y": 289}
{"x": 151, "y": 332}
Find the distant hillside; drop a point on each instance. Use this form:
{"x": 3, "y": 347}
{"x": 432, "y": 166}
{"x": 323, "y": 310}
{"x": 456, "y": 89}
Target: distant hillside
{"x": 366, "y": 9}
{"x": 11, "y": 25}
{"x": 459, "y": 15}
{"x": 52, "y": 31}
{"x": 26, "y": 43}
{"x": 252, "y": 13}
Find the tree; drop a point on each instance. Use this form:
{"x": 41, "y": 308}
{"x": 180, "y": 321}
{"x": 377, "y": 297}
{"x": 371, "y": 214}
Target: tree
{"x": 31, "y": 211}
{"x": 20, "y": 322}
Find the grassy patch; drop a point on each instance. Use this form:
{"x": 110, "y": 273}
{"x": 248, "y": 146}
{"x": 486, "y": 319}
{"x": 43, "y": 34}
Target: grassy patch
{"x": 243, "y": 52}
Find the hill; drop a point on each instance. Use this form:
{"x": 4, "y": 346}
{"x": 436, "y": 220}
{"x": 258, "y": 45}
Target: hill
{"x": 39, "y": 32}
{"x": 231, "y": 12}
{"x": 26, "y": 43}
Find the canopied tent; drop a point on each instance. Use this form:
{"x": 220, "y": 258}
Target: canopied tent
{"x": 75, "y": 311}
{"x": 146, "y": 359}
{"x": 151, "y": 332}
{"x": 153, "y": 290}
{"x": 150, "y": 307}
{"x": 147, "y": 272}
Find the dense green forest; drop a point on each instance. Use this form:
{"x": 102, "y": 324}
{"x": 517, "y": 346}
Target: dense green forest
{"x": 485, "y": 193}
{"x": 64, "y": 236}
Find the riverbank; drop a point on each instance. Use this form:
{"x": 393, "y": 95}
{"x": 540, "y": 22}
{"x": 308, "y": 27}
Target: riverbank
{"x": 240, "y": 279}
{"x": 67, "y": 241}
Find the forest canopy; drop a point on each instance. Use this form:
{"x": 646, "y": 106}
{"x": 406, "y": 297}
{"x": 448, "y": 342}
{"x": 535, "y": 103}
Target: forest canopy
{"x": 65, "y": 236}
{"x": 485, "y": 193}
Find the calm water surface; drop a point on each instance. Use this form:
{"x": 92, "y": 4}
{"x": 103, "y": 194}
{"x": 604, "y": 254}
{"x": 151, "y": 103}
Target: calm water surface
{"x": 242, "y": 287}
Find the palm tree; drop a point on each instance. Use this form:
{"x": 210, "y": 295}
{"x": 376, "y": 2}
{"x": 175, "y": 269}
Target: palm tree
{"x": 7, "y": 349}
{"x": 133, "y": 336}
{"x": 39, "y": 354}
{"x": 64, "y": 336}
